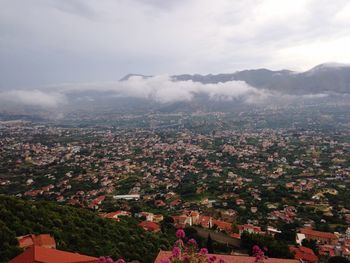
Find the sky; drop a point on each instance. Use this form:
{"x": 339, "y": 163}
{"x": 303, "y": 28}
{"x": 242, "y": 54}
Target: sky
{"x": 50, "y": 42}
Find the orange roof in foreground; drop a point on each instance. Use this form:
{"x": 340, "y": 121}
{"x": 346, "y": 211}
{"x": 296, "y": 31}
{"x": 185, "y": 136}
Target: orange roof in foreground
{"x": 37, "y": 254}
{"x": 36, "y": 240}
{"x": 44, "y": 240}
{"x": 304, "y": 253}
{"x": 25, "y": 241}
{"x": 231, "y": 259}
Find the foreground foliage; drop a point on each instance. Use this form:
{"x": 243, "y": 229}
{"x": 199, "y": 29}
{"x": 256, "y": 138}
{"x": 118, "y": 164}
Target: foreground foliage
{"x": 276, "y": 248}
{"x": 76, "y": 230}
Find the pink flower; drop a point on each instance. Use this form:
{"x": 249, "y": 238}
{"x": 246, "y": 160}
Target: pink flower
{"x": 222, "y": 260}
{"x": 256, "y": 249}
{"x": 192, "y": 242}
{"x": 176, "y": 252}
{"x": 179, "y": 243}
{"x": 180, "y": 233}
{"x": 187, "y": 259}
{"x": 259, "y": 254}
{"x": 102, "y": 260}
{"x": 203, "y": 251}
{"x": 120, "y": 261}
{"x": 109, "y": 260}
{"x": 165, "y": 260}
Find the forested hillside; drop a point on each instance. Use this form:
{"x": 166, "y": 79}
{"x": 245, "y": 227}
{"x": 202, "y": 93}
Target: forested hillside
{"x": 75, "y": 229}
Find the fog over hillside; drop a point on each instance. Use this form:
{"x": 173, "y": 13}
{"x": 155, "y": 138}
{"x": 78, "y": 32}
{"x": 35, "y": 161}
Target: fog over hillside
{"x": 249, "y": 87}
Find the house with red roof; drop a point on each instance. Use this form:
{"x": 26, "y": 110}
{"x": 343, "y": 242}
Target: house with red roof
{"x": 321, "y": 237}
{"x": 205, "y": 221}
{"x": 116, "y": 215}
{"x": 43, "y": 240}
{"x": 176, "y": 202}
{"x": 150, "y": 226}
{"x": 182, "y": 220}
{"x": 195, "y": 217}
{"x": 158, "y": 218}
{"x": 36, "y": 254}
{"x": 159, "y": 203}
{"x": 305, "y": 254}
{"x": 96, "y": 202}
{"x": 230, "y": 258}
{"x": 235, "y": 235}
{"x": 345, "y": 251}
{"x": 149, "y": 216}
{"x": 326, "y": 250}
{"x": 249, "y": 228}
{"x": 222, "y": 225}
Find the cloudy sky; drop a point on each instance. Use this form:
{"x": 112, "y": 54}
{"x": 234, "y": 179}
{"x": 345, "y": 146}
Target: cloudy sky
{"x": 45, "y": 42}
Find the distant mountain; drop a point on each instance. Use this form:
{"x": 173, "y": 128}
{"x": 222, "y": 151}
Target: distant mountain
{"x": 324, "y": 78}
{"x": 134, "y": 75}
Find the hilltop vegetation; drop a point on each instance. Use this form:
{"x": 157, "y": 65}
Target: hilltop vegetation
{"x": 75, "y": 229}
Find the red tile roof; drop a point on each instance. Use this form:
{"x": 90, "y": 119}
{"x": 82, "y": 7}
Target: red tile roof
{"x": 247, "y": 227}
{"x": 97, "y": 201}
{"x": 222, "y": 225}
{"x": 236, "y": 235}
{"x": 43, "y": 240}
{"x": 37, "y": 254}
{"x": 326, "y": 250}
{"x": 231, "y": 259}
{"x": 159, "y": 203}
{"x": 204, "y": 221}
{"x": 304, "y": 253}
{"x": 115, "y": 215}
{"x": 150, "y": 226}
{"x": 318, "y": 234}
{"x": 25, "y": 241}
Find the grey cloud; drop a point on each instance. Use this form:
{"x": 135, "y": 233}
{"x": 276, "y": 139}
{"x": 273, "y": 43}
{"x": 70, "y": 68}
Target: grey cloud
{"x": 160, "y": 89}
{"x": 75, "y": 7}
{"x": 82, "y": 40}
{"x": 39, "y": 98}
{"x": 161, "y": 4}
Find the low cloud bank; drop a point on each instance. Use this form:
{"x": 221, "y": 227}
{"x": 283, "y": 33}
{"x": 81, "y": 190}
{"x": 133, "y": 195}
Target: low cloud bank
{"x": 33, "y": 98}
{"x": 160, "y": 89}
{"x": 164, "y": 90}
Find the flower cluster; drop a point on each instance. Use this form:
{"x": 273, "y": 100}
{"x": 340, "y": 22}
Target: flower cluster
{"x": 259, "y": 254}
{"x": 109, "y": 260}
{"x": 186, "y": 251}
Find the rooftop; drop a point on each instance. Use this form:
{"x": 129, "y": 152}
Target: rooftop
{"x": 319, "y": 234}
{"x": 37, "y": 254}
{"x": 231, "y": 259}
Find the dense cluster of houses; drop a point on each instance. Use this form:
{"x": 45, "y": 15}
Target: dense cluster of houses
{"x": 87, "y": 166}
{"x": 111, "y": 157}
{"x": 329, "y": 244}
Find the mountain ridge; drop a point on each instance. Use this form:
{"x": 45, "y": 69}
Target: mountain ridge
{"x": 326, "y": 77}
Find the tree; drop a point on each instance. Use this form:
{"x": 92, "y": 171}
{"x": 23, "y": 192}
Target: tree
{"x": 235, "y": 228}
{"x": 135, "y": 209}
{"x": 288, "y": 232}
{"x": 338, "y": 260}
{"x": 210, "y": 244}
{"x": 275, "y": 248}
{"x": 77, "y": 230}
